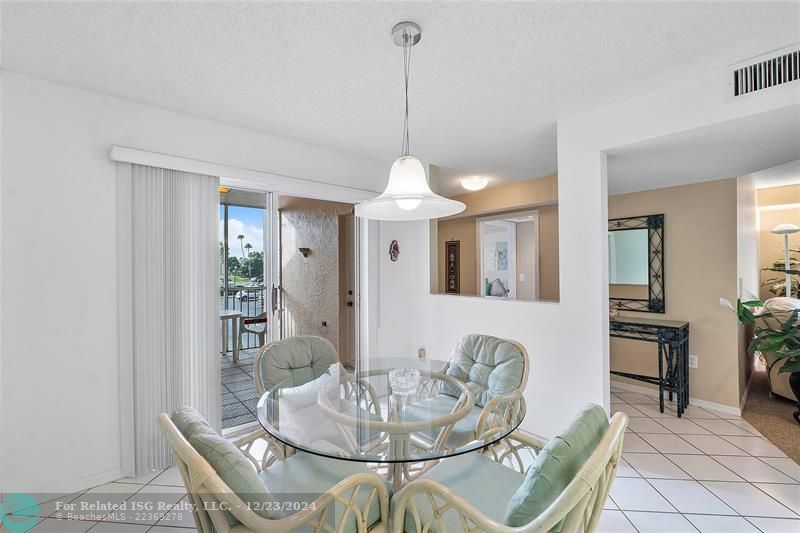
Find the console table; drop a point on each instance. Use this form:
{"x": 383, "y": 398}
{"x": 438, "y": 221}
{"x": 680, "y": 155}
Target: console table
{"x": 672, "y": 338}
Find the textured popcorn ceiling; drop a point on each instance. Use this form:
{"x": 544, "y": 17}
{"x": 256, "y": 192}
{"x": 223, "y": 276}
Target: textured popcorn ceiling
{"x": 489, "y": 80}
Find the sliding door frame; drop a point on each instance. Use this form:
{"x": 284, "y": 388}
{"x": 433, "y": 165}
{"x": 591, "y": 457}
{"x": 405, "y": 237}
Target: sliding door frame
{"x": 235, "y": 177}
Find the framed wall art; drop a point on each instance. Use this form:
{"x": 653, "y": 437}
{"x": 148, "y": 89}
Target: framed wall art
{"x": 452, "y": 253}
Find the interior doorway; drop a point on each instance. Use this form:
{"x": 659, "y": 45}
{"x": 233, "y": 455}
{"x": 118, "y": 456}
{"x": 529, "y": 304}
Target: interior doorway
{"x": 508, "y": 255}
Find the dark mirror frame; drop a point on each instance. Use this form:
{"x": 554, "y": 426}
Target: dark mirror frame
{"x": 656, "y": 301}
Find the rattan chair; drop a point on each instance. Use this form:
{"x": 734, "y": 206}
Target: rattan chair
{"x": 356, "y": 500}
{"x": 302, "y": 358}
{"x": 494, "y": 409}
{"x": 427, "y": 505}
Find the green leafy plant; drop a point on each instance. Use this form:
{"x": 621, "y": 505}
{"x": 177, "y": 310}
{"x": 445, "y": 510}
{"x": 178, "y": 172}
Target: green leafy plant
{"x": 783, "y": 341}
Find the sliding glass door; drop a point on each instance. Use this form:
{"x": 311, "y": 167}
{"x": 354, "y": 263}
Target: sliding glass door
{"x": 246, "y": 256}
{"x": 288, "y": 267}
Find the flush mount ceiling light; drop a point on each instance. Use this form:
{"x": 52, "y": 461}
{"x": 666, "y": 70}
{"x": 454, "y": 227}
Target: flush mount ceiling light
{"x": 474, "y": 183}
{"x": 408, "y": 195}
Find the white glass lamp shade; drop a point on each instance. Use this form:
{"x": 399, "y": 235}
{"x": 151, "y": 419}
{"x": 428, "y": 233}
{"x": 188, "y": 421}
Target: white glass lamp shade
{"x": 408, "y": 196}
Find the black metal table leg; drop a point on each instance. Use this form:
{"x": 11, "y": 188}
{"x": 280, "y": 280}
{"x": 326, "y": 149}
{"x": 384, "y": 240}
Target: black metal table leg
{"x": 678, "y": 354}
{"x": 661, "y": 373}
{"x": 686, "y": 361}
{"x": 673, "y": 361}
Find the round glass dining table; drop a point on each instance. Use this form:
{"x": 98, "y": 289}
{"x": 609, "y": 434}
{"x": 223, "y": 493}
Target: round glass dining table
{"x": 398, "y": 413}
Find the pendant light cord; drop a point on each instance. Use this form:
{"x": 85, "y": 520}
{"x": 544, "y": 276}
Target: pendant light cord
{"x": 406, "y": 68}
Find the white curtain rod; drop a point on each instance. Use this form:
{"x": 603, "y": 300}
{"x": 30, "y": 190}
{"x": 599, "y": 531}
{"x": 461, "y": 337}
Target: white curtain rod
{"x": 243, "y": 177}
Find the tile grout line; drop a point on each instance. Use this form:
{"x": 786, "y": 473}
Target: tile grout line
{"x": 658, "y": 452}
{"x": 713, "y": 457}
{"x": 704, "y": 487}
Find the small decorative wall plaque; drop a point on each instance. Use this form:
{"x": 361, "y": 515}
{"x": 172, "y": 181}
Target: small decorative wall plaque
{"x": 452, "y": 251}
{"x": 394, "y": 251}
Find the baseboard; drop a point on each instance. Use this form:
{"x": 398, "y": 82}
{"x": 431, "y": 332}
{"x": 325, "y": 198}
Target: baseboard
{"x": 726, "y": 409}
{"x": 91, "y": 481}
{"x": 746, "y": 393}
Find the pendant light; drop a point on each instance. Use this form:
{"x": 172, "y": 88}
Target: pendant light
{"x": 408, "y": 195}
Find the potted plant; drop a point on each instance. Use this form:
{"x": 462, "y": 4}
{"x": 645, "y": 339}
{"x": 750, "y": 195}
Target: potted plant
{"x": 776, "y": 332}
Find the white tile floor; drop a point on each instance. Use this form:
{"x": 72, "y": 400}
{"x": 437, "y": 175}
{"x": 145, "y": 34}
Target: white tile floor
{"x": 706, "y": 472}
{"x": 160, "y": 490}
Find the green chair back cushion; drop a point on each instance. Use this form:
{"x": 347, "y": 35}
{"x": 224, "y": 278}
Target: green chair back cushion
{"x": 302, "y": 358}
{"x": 190, "y": 422}
{"x": 489, "y": 366}
{"x": 236, "y": 471}
{"x": 556, "y": 466}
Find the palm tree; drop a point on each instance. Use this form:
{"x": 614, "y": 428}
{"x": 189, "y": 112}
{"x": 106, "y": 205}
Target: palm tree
{"x": 241, "y": 243}
{"x": 248, "y": 247}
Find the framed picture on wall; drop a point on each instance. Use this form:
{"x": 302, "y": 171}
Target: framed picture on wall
{"x": 452, "y": 253}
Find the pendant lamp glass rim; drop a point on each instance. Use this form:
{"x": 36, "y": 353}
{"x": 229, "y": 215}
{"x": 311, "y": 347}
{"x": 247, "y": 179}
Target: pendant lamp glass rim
{"x": 430, "y": 206}
{"x": 408, "y": 170}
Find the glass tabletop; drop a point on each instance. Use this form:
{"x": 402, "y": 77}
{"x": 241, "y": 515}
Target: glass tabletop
{"x": 394, "y": 410}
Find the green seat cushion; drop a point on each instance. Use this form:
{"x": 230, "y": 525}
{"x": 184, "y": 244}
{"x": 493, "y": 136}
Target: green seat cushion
{"x": 190, "y": 422}
{"x": 442, "y": 405}
{"x": 489, "y": 366}
{"x": 484, "y": 483}
{"x": 304, "y": 477}
{"x": 296, "y": 359}
{"x": 237, "y": 472}
{"x": 556, "y": 466}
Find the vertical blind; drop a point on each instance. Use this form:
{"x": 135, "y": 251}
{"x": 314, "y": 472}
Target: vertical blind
{"x": 175, "y": 308}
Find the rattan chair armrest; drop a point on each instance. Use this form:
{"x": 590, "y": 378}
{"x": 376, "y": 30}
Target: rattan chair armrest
{"x": 442, "y": 501}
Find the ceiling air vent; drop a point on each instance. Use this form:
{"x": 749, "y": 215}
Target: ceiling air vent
{"x": 765, "y": 74}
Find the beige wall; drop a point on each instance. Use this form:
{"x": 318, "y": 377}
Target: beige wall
{"x": 539, "y": 193}
{"x": 548, "y": 253}
{"x": 526, "y": 239}
{"x": 528, "y": 193}
{"x": 701, "y": 268}
{"x": 463, "y": 230}
{"x": 770, "y": 245}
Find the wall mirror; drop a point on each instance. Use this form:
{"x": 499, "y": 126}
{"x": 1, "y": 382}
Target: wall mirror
{"x": 636, "y": 264}
{"x": 504, "y": 246}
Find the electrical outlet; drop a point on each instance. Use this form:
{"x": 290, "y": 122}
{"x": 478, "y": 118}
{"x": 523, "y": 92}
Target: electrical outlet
{"x": 421, "y": 353}
{"x": 692, "y": 361}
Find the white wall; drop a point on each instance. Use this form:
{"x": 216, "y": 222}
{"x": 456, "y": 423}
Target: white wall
{"x": 2, "y": 432}
{"x": 567, "y": 341}
{"x": 400, "y": 300}
{"x": 59, "y": 309}
{"x": 747, "y": 235}
{"x": 748, "y": 269}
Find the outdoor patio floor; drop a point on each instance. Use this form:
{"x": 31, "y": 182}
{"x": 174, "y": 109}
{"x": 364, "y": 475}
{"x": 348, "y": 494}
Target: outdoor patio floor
{"x": 239, "y": 396}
